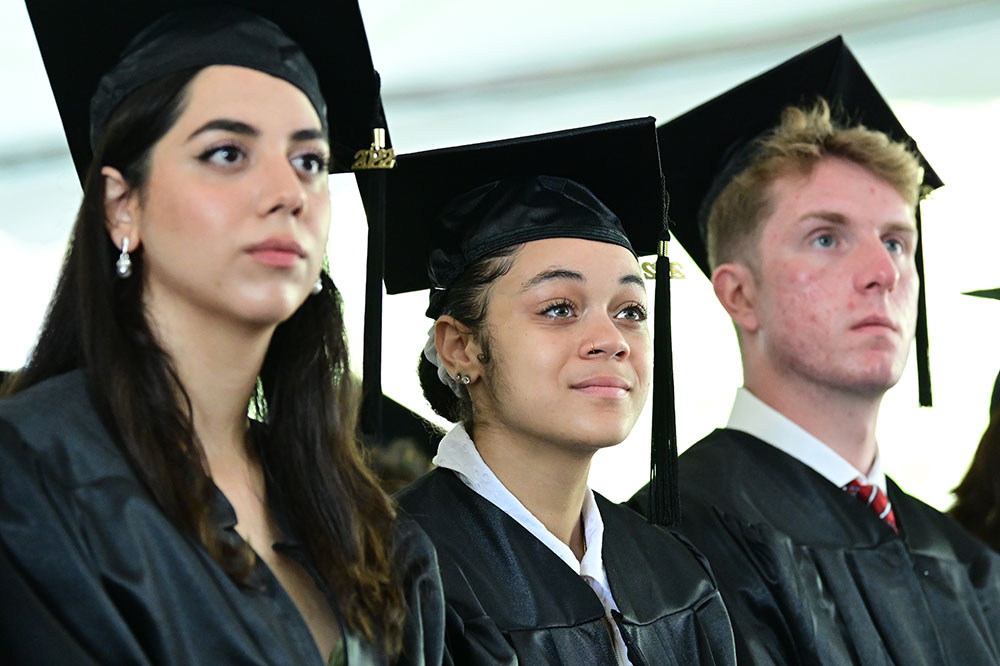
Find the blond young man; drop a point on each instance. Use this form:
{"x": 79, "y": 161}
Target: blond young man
{"x": 811, "y": 240}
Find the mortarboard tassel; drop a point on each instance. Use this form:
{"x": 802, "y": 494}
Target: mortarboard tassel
{"x": 923, "y": 358}
{"x": 664, "y": 498}
{"x": 371, "y": 166}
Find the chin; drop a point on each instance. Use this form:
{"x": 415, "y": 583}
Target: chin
{"x": 272, "y": 309}
{"x": 602, "y": 435}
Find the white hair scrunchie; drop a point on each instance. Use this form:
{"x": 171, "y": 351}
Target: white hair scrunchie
{"x": 431, "y": 354}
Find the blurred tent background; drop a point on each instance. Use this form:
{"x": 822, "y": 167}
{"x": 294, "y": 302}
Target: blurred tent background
{"x": 461, "y": 72}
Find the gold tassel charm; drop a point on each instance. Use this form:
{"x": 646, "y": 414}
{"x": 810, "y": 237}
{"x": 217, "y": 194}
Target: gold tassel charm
{"x": 376, "y": 157}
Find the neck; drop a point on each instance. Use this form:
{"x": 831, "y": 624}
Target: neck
{"x": 218, "y": 364}
{"x": 845, "y": 421}
{"x": 549, "y": 480}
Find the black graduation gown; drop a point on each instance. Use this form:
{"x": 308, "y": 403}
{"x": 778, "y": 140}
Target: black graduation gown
{"x": 93, "y": 572}
{"x": 810, "y": 575}
{"x": 510, "y": 600}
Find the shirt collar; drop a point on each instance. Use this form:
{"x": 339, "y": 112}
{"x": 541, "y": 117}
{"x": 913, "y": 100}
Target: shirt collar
{"x": 458, "y": 453}
{"x": 755, "y": 417}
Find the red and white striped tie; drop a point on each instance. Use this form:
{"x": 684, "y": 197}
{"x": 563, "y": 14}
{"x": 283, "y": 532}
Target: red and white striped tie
{"x": 877, "y": 500}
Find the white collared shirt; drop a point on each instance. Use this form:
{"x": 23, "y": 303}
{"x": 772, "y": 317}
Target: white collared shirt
{"x": 755, "y": 417}
{"x": 458, "y": 453}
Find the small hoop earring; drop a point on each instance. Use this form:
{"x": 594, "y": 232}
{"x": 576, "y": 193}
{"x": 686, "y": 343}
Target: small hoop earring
{"x": 124, "y": 264}
{"x": 317, "y": 285}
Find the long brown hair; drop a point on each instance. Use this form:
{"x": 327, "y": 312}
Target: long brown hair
{"x": 306, "y": 400}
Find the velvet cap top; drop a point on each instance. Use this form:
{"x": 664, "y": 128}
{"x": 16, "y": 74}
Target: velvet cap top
{"x": 448, "y": 208}
{"x": 512, "y": 211}
{"x": 196, "y": 38}
{"x": 705, "y": 148}
{"x": 96, "y": 53}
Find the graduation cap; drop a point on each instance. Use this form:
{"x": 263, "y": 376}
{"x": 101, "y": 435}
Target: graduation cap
{"x": 97, "y": 53}
{"x": 994, "y": 294}
{"x": 447, "y": 208}
{"x": 82, "y": 41}
{"x": 709, "y": 145}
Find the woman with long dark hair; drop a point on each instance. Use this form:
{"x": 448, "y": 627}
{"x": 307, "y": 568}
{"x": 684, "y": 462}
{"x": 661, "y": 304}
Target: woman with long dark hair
{"x": 540, "y": 353}
{"x": 180, "y": 479}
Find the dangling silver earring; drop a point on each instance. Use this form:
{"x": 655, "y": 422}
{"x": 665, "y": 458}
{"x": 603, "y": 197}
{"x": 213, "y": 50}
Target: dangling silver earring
{"x": 317, "y": 286}
{"x": 124, "y": 264}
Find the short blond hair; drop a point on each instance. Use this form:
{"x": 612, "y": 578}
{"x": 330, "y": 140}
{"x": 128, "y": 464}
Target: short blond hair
{"x": 802, "y": 138}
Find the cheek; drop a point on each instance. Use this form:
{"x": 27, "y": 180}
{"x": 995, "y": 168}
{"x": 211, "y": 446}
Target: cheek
{"x": 803, "y": 300}
{"x": 321, "y": 215}
{"x": 642, "y": 357}
{"x": 187, "y": 211}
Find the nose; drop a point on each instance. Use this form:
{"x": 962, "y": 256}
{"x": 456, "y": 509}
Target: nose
{"x": 878, "y": 268}
{"x": 604, "y": 338}
{"x": 281, "y": 189}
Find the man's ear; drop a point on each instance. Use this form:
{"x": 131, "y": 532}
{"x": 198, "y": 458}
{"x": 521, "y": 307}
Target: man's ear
{"x": 121, "y": 208}
{"x": 736, "y": 288}
{"x": 457, "y": 347}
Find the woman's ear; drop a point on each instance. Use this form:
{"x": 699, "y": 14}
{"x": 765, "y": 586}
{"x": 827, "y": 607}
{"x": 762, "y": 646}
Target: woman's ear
{"x": 457, "y": 347}
{"x": 121, "y": 208}
{"x": 736, "y": 288}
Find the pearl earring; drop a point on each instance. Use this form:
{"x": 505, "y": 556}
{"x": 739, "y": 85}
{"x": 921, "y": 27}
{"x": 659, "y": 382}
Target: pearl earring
{"x": 124, "y": 264}
{"x": 317, "y": 286}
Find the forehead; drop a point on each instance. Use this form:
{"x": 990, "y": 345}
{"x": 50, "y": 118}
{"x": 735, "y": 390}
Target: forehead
{"x": 836, "y": 186}
{"x": 593, "y": 259}
{"x": 241, "y": 93}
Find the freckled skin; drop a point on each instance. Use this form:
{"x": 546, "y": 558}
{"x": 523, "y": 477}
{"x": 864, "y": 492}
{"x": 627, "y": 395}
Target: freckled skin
{"x": 818, "y": 279}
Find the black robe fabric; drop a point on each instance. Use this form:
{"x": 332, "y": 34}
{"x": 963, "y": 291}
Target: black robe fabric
{"x": 510, "y": 600}
{"x": 810, "y": 575}
{"x": 93, "y": 572}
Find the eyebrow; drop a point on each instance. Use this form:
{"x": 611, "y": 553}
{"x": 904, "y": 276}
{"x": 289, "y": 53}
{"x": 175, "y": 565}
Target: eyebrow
{"x": 840, "y": 220}
{"x": 566, "y": 274}
{"x": 238, "y": 127}
{"x": 234, "y": 126}
{"x": 553, "y": 274}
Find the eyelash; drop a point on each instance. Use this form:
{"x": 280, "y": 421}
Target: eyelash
{"x": 638, "y": 307}
{"x": 556, "y": 304}
{"x": 207, "y": 155}
{"x": 320, "y": 160}
{"x": 322, "y": 163}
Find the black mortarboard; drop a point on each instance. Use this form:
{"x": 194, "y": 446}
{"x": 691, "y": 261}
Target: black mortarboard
{"x": 707, "y": 146}
{"x": 448, "y": 207}
{"x": 994, "y": 294}
{"x": 82, "y": 41}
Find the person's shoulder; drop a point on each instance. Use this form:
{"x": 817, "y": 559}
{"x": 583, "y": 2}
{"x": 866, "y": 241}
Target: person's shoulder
{"x": 702, "y": 464}
{"x": 410, "y": 541}
{"x": 48, "y": 402}
{"x": 721, "y": 444}
{"x": 632, "y": 544}
{"x": 625, "y": 525}
{"x": 929, "y": 530}
{"x": 54, "y": 422}
{"x": 425, "y": 496}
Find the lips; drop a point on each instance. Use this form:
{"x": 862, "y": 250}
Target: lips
{"x": 604, "y": 387}
{"x": 279, "y": 252}
{"x": 875, "y": 321}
